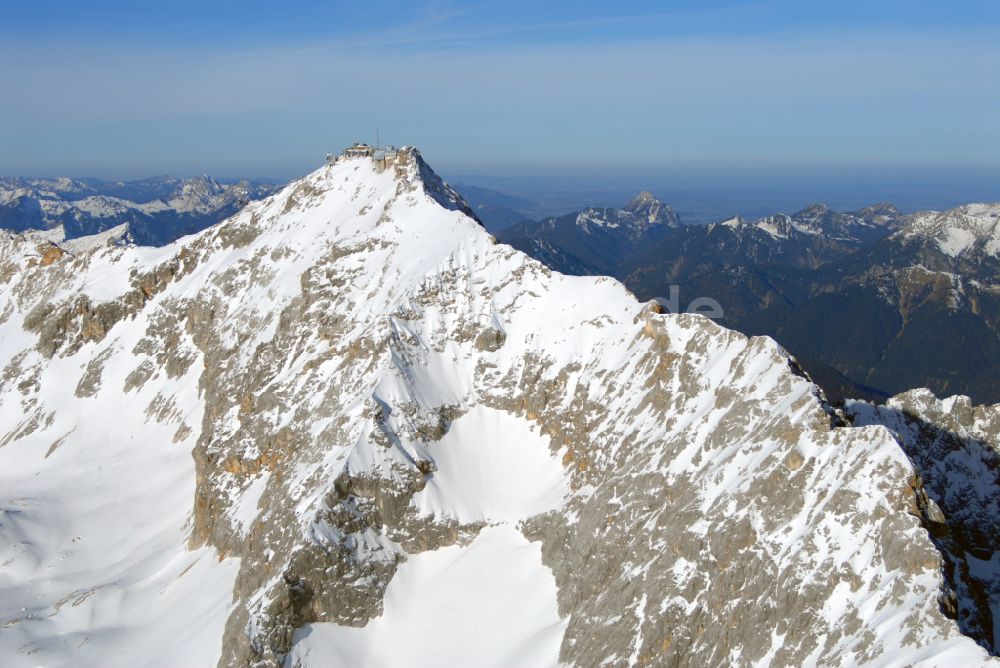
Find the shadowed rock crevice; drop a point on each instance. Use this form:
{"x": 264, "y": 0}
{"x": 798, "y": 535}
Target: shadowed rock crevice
{"x": 953, "y": 448}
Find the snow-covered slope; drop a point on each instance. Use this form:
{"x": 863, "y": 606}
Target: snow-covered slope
{"x": 861, "y": 226}
{"x": 973, "y": 229}
{"x": 415, "y": 446}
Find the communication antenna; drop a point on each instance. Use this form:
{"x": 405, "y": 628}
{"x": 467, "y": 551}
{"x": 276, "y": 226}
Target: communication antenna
{"x": 377, "y": 145}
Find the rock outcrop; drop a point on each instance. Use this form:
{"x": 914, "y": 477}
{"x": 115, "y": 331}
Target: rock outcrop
{"x": 255, "y": 430}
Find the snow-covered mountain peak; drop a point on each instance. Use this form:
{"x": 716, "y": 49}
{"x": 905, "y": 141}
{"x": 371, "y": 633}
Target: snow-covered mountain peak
{"x": 819, "y": 220}
{"x": 968, "y": 231}
{"x": 989, "y": 211}
{"x": 781, "y": 226}
{"x": 814, "y": 211}
{"x": 344, "y": 426}
{"x": 333, "y": 188}
{"x": 883, "y": 211}
{"x": 641, "y": 201}
{"x": 200, "y": 194}
{"x": 641, "y": 213}
{"x": 650, "y": 210}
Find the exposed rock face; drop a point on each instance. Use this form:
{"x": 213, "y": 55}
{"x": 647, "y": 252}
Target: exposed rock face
{"x": 649, "y": 211}
{"x": 317, "y": 353}
{"x": 49, "y": 255}
{"x": 953, "y": 446}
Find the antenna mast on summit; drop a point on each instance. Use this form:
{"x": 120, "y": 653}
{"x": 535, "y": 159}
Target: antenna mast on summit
{"x": 377, "y": 144}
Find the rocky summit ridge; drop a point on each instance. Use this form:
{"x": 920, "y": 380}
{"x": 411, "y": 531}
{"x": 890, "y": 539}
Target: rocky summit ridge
{"x": 347, "y": 426}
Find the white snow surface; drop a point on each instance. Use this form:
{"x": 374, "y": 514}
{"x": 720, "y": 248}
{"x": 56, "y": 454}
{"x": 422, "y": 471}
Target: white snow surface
{"x": 493, "y": 467}
{"x": 94, "y": 514}
{"x": 965, "y": 230}
{"x": 491, "y": 604}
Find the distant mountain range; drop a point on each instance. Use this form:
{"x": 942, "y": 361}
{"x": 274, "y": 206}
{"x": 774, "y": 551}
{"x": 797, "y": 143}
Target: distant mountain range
{"x": 155, "y": 211}
{"x": 873, "y": 302}
{"x": 595, "y": 240}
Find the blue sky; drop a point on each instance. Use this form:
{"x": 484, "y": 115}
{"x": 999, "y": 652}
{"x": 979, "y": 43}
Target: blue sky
{"x": 265, "y": 88}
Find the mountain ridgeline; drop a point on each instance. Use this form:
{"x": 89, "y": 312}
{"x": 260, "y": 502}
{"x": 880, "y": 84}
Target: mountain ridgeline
{"x": 872, "y": 302}
{"x": 151, "y": 212}
{"x": 345, "y": 426}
